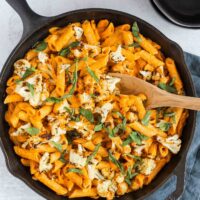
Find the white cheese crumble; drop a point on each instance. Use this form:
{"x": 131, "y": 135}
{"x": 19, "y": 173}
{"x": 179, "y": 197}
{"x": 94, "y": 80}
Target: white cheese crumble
{"x": 104, "y": 110}
{"x": 64, "y": 67}
{"x": 95, "y": 49}
{"x": 111, "y": 82}
{"x": 77, "y": 53}
{"x": 173, "y": 143}
{"x": 21, "y": 66}
{"x": 35, "y": 140}
{"x": 44, "y": 164}
{"x": 120, "y": 178}
{"x": 21, "y": 130}
{"x": 55, "y": 138}
{"x": 77, "y": 159}
{"x": 23, "y": 90}
{"x": 147, "y": 166}
{"x": 78, "y": 32}
{"x": 80, "y": 149}
{"x": 146, "y": 74}
{"x": 42, "y": 57}
{"x": 104, "y": 187}
{"x": 117, "y": 55}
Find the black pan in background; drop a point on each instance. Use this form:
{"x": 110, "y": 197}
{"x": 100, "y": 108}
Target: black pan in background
{"x": 181, "y": 12}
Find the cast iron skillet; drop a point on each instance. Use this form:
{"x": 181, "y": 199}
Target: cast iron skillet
{"x": 36, "y": 28}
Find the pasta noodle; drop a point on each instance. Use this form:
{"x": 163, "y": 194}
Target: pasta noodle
{"x": 71, "y": 126}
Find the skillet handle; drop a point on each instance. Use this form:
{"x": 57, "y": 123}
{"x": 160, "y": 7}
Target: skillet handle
{"x": 180, "y": 175}
{"x": 31, "y": 20}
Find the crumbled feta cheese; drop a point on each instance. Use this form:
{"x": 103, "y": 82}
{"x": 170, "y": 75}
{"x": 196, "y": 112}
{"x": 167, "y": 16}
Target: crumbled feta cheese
{"x": 104, "y": 110}
{"x": 23, "y": 90}
{"x": 139, "y": 149}
{"x": 120, "y": 178}
{"x": 94, "y": 173}
{"x": 56, "y": 130}
{"x": 78, "y": 32}
{"x": 80, "y": 149}
{"x": 117, "y": 55}
{"x": 95, "y": 49}
{"x": 62, "y": 106}
{"x": 21, "y": 130}
{"x": 111, "y": 82}
{"x": 44, "y": 164}
{"x": 21, "y": 66}
{"x": 42, "y": 57}
{"x": 77, "y": 159}
{"x": 50, "y": 118}
{"x": 146, "y": 74}
{"x": 173, "y": 143}
{"x": 147, "y": 166}
{"x": 104, "y": 187}
{"x": 35, "y": 140}
{"x": 64, "y": 67}
{"x": 55, "y": 138}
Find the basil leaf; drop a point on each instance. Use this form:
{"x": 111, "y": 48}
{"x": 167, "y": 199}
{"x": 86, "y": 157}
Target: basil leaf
{"x": 87, "y": 114}
{"x": 40, "y": 46}
{"x": 164, "y": 126}
{"x": 172, "y": 81}
{"x": 134, "y": 44}
{"x": 93, "y": 153}
{"x": 31, "y": 88}
{"x": 57, "y": 145}
{"x": 135, "y": 31}
{"x": 167, "y": 88}
{"x": 92, "y": 74}
{"x": 169, "y": 114}
{"x": 62, "y": 157}
{"x": 93, "y": 95}
{"x": 145, "y": 120}
{"x": 98, "y": 127}
{"x": 75, "y": 170}
{"x": 54, "y": 99}
{"x": 27, "y": 73}
{"x": 130, "y": 175}
{"x": 32, "y": 131}
{"x": 133, "y": 156}
{"x": 116, "y": 162}
{"x": 127, "y": 141}
{"x": 119, "y": 114}
{"x": 123, "y": 125}
{"x": 65, "y": 51}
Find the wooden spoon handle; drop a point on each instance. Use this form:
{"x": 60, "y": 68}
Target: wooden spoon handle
{"x": 173, "y": 100}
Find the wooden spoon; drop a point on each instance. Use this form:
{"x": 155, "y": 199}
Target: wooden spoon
{"x": 155, "y": 96}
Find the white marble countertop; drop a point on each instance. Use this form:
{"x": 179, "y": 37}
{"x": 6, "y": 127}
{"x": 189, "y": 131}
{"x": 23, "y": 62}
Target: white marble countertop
{"x": 11, "y": 30}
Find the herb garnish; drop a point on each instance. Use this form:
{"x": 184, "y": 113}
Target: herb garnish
{"x": 145, "y": 120}
{"x": 93, "y": 154}
{"x": 135, "y": 31}
{"x": 75, "y": 170}
{"x": 134, "y": 44}
{"x": 134, "y": 137}
{"x": 31, "y": 88}
{"x": 167, "y": 88}
{"x": 57, "y": 145}
{"x": 27, "y": 73}
{"x": 116, "y": 162}
{"x": 32, "y": 131}
{"x": 66, "y": 51}
{"x": 62, "y": 156}
{"x": 87, "y": 114}
{"x": 40, "y": 46}
{"x": 130, "y": 175}
{"x": 98, "y": 127}
{"x": 172, "y": 81}
{"x": 164, "y": 126}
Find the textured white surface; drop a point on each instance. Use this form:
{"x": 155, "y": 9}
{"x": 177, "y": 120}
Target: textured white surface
{"x": 11, "y": 30}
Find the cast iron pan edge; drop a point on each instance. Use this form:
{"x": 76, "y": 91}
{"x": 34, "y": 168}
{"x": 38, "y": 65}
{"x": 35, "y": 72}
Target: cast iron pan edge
{"x": 34, "y": 23}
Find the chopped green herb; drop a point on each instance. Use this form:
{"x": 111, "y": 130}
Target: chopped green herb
{"x": 130, "y": 175}
{"x": 75, "y": 78}
{"x": 98, "y": 127}
{"x": 54, "y": 99}
{"x": 27, "y": 73}
{"x": 92, "y": 74}
{"x": 93, "y": 95}
{"x": 62, "y": 157}
{"x": 40, "y": 46}
{"x": 171, "y": 114}
{"x": 172, "y": 81}
{"x": 75, "y": 170}
{"x": 134, "y": 44}
{"x": 93, "y": 154}
{"x": 31, "y": 88}
{"x": 167, "y": 88}
{"x": 87, "y": 114}
{"x": 116, "y": 162}
{"x": 119, "y": 114}
{"x": 123, "y": 125}
{"x": 66, "y": 51}
{"x": 145, "y": 120}
{"x": 164, "y": 126}
{"x": 134, "y": 137}
{"x": 57, "y": 145}
{"x": 135, "y": 31}
{"x": 133, "y": 156}
{"x": 32, "y": 131}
